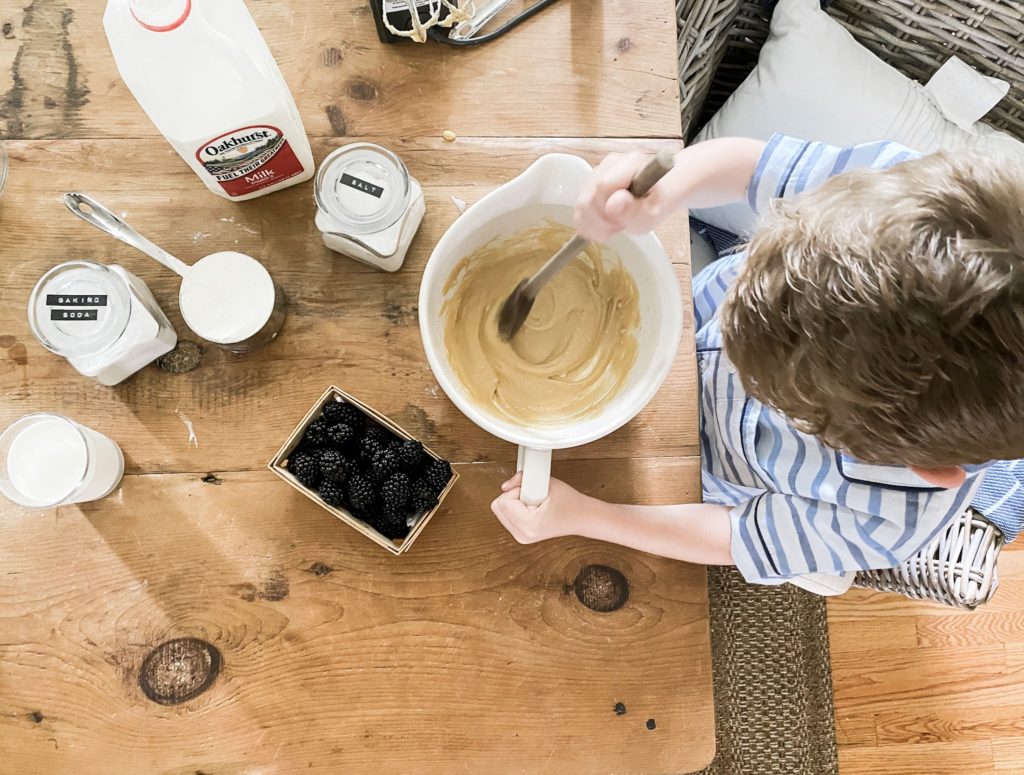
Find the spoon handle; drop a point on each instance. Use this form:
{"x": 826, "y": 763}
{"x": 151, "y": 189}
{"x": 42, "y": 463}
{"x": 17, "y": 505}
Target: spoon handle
{"x": 91, "y": 211}
{"x": 644, "y": 180}
{"x": 653, "y": 171}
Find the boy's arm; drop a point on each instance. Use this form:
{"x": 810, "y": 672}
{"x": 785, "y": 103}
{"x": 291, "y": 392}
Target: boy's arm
{"x": 707, "y": 174}
{"x": 693, "y": 532}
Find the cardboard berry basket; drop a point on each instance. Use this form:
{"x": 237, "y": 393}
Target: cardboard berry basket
{"x": 277, "y": 465}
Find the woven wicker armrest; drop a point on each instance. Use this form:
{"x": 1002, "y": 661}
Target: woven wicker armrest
{"x": 707, "y": 30}
{"x": 958, "y": 568}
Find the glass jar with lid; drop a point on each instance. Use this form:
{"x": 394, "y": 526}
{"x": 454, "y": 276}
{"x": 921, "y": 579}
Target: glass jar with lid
{"x": 102, "y": 319}
{"x": 368, "y": 205}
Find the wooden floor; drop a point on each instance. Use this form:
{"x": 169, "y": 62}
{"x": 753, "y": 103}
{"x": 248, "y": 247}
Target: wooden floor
{"x": 923, "y": 690}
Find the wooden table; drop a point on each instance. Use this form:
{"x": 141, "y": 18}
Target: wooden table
{"x": 470, "y": 653}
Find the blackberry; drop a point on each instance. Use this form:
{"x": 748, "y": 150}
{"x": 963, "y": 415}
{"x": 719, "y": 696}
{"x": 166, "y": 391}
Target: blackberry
{"x": 370, "y": 447}
{"x": 334, "y": 466}
{"x": 394, "y": 524}
{"x": 381, "y": 434}
{"x": 316, "y": 433}
{"x": 436, "y": 475}
{"x": 343, "y": 412}
{"x": 411, "y": 453}
{"x": 305, "y": 468}
{"x": 341, "y": 435}
{"x": 332, "y": 493}
{"x": 362, "y": 494}
{"x": 421, "y": 496}
{"x": 395, "y": 491}
{"x": 385, "y": 463}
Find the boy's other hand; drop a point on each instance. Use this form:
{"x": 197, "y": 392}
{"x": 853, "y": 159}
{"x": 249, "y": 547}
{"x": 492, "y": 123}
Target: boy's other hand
{"x": 559, "y": 515}
{"x": 605, "y": 207}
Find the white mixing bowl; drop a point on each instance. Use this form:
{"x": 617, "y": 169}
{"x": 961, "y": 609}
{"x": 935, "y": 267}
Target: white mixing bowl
{"x": 548, "y": 190}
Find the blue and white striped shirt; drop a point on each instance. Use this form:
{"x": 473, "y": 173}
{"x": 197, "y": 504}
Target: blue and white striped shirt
{"x": 799, "y": 506}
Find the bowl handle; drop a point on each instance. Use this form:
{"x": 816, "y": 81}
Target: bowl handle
{"x": 536, "y": 467}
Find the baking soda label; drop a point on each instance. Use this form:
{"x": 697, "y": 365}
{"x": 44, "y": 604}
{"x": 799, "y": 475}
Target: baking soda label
{"x": 68, "y": 306}
{"x": 76, "y": 300}
{"x": 249, "y": 159}
{"x": 74, "y": 314}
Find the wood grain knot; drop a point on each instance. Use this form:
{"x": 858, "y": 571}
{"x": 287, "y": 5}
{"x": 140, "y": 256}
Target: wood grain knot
{"x": 18, "y": 354}
{"x": 183, "y": 358}
{"x": 321, "y": 569}
{"x": 212, "y": 478}
{"x": 339, "y": 126}
{"x": 361, "y": 89}
{"x": 331, "y": 57}
{"x": 179, "y": 670}
{"x": 601, "y": 588}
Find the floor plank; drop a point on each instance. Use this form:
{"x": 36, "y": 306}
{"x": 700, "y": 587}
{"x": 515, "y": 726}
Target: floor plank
{"x": 1008, "y": 754}
{"x": 974, "y": 758}
{"x": 921, "y": 688}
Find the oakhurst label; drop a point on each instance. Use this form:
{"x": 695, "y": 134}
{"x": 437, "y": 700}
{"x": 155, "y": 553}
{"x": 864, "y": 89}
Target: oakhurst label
{"x": 249, "y": 159}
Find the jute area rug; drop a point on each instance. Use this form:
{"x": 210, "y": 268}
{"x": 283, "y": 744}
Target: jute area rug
{"x": 772, "y": 677}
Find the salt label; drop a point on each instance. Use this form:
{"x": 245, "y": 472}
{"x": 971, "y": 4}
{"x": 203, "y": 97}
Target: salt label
{"x": 361, "y": 185}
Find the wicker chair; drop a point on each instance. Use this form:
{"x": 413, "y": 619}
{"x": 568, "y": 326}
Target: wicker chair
{"x": 719, "y": 42}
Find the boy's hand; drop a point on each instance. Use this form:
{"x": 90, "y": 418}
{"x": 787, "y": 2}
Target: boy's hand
{"x": 605, "y": 207}
{"x": 559, "y": 515}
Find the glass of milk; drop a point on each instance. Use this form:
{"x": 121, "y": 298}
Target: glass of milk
{"x": 48, "y": 460}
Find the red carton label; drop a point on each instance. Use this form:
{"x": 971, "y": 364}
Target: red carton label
{"x": 249, "y": 159}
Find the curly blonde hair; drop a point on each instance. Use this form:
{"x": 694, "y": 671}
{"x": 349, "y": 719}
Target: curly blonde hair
{"x": 884, "y": 311}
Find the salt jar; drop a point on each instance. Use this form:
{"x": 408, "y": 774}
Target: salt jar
{"x": 368, "y": 205}
{"x": 102, "y": 319}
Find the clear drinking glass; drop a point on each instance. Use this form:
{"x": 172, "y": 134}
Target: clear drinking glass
{"x": 50, "y": 460}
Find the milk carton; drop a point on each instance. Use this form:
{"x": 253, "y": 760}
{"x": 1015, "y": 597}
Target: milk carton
{"x": 203, "y": 74}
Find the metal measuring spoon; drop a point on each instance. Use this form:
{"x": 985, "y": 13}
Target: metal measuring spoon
{"x": 227, "y": 298}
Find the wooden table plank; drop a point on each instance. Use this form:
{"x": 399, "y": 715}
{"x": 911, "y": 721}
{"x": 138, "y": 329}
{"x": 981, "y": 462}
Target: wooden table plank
{"x": 348, "y": 324}
{"x": 337, "y": 657}
{"x": 579, "y": 68}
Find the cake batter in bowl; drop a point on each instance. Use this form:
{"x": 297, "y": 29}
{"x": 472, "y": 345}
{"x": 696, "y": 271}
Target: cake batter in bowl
{"x": 541, "y": 197}
{"x": 576, "y": 348}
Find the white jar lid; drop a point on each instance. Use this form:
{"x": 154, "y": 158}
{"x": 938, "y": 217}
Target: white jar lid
{"x": 79, "y": 308}
{"x": 226, "y": 297}
{"x": 363, "y": 187}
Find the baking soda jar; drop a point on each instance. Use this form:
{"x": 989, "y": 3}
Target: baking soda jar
{"x": 205, "y": 77}
{"x": 49, "y": 460}
{"x": 102, "y": 319}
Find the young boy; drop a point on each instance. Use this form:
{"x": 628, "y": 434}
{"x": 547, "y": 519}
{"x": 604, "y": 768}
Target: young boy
{"x": 860, "y": 364}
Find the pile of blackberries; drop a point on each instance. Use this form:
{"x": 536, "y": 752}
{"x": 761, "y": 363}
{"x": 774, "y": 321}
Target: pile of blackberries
{"x": 357, "y": 464}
